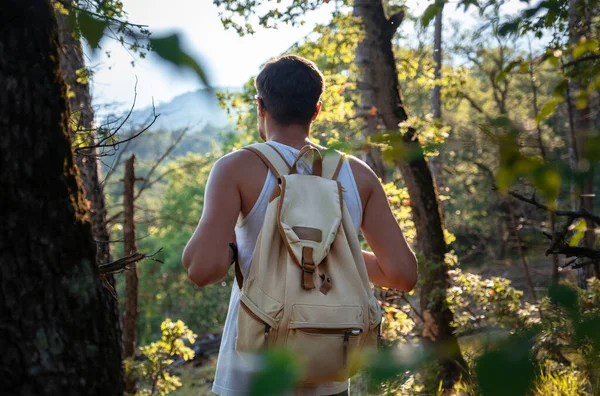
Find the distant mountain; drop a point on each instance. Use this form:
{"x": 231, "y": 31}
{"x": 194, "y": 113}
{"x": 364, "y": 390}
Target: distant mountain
{"x": 197, "y": 111}
{"x": 192, "y": 110}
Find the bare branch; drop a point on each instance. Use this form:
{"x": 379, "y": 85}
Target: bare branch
{"x": 576, "y": 251}
{"x": 167, "y": 152}
{"x": 580, "y": 60}
{"x": 115, "y": 163}
{"x": 581, "y": 213}
{"x": 123, "y": 263}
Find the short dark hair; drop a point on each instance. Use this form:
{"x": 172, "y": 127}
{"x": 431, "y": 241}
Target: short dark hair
{"x": 290, "y": 87}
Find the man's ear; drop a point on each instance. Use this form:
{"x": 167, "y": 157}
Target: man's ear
{"x": 317, "y": 111}
{"x": 260, "y": 108}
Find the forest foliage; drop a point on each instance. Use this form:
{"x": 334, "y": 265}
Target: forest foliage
{"x": 520, "y": 119}
{"x": 504, "y": 85}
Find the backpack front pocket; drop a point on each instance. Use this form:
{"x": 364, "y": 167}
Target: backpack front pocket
{"x": 255, "y": 328}
{"x": 326, "y": 340}
{"x": 335, "y": 350}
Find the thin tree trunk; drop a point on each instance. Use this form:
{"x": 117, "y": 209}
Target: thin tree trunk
{"x": 71, "y": 60}
{"x": 435, "y": 162}
{"x": 379, "y": 72}
{"x": 54, "y": 336}
{"x": 544, "y": 155}
{"x": 522, "y": 255}
{"x": 131, "y": 276}
{"x": 581, "y": 123}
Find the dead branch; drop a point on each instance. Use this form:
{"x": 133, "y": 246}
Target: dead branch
{"x": 167, "y": 152}
{"x": 123, "y": 263}
{"x": 581, "y": 60}
{"x": 581, "y": 213}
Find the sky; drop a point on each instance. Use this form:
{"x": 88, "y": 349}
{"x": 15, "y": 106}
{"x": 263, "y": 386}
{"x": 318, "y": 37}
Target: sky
{"x": 229, "y": 59}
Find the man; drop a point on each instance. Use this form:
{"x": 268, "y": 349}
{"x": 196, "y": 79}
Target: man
{"x": 238, "y": 191}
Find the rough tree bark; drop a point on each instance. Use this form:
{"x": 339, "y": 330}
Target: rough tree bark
{"x": 131, "y": 276}
{"x": 581, "y": 125}
{"x": 71, "y": 60}
{"x": 379, "y": 74}
{"x": 54, "y": 336}
{"x": 368, "y": 110}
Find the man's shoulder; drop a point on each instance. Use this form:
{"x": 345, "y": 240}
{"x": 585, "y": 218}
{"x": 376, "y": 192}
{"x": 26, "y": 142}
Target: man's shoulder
{"x": 363, "y": 174}
{"x": 239, "y": 158}
{"x": 239, "y": 164}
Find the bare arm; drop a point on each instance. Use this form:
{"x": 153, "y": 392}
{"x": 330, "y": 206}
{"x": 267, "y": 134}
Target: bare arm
{"x": 207, "y": 255}
{"x": 392, "y": 263}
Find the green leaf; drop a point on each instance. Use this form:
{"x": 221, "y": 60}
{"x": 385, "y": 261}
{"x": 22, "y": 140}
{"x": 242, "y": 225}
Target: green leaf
{"x": 279, "y": 373}
{"x": 169, "y": 48}
{"x": 430, "y": 13}
{"x": 509, "y": 28}
{"x": 561, "y": 88}
{"x": 523, "y": 67}
{"x": 91, "y": 29}
{"x": 504, "y": 73}
{"x": 585, "y": 46}
{"x": 547, "y": 109}
{"x": 564, "y": 297}
{"x": 509, "y": 369}
{"x": 580, "y": 228}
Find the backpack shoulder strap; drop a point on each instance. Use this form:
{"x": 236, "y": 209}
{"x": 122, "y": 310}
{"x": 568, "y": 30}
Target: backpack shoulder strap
{"x": 271, "y": 157}
{"x": 332, "y": 163}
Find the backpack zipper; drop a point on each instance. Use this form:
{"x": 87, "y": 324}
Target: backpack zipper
{"x": 347, "y": 333}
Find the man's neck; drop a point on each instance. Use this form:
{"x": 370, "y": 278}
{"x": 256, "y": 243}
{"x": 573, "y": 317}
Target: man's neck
{"x": 291, "y": 135}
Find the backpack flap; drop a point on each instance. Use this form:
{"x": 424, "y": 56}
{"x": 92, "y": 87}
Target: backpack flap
{"x": 309, "y": 216}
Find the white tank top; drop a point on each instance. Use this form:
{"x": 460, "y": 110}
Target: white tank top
{"x": 232, "y": 375}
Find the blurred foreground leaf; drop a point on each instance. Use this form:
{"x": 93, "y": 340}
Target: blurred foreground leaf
{"x": 279, "y": 373}
{"x": 92, "y": 29}
{"x": 169, "y": 48}
{"x": 509, "y": 368}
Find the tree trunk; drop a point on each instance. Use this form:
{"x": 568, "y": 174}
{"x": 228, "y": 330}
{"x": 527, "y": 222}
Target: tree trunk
{"x": 368, "y": 110}
{"x": 435, "y": 162}
{"x": 71, "y": 60}
{"x": 580, "y": 129}
{"x": 379, "y": 73}
{"x": 131, "y": 276}
{"x": 543, "y": 154}
{"x": 54, "y": 336}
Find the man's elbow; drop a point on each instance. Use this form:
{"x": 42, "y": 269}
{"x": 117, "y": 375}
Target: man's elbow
{"x": 200, "y": 278}
{"x": 407, "y": 280}
{"x": 204, "y": 273}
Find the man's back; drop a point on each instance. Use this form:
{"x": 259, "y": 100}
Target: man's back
{"x": 289, "y": 89}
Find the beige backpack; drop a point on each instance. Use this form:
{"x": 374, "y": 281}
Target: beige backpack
{"x": 307, "y": 289}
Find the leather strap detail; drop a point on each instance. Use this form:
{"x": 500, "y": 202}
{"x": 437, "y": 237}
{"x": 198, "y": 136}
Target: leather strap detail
{"x": 308, "y": 233}
{"x": 317, "y": 160}
{"x": 326, "y": 284}
{"x": 336, "y": 172}
{"x": 239, "y": 278}
{"x": 308, "y": 268}
{"x": 317, "y": 166}
{"x": 276, "y": 192}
